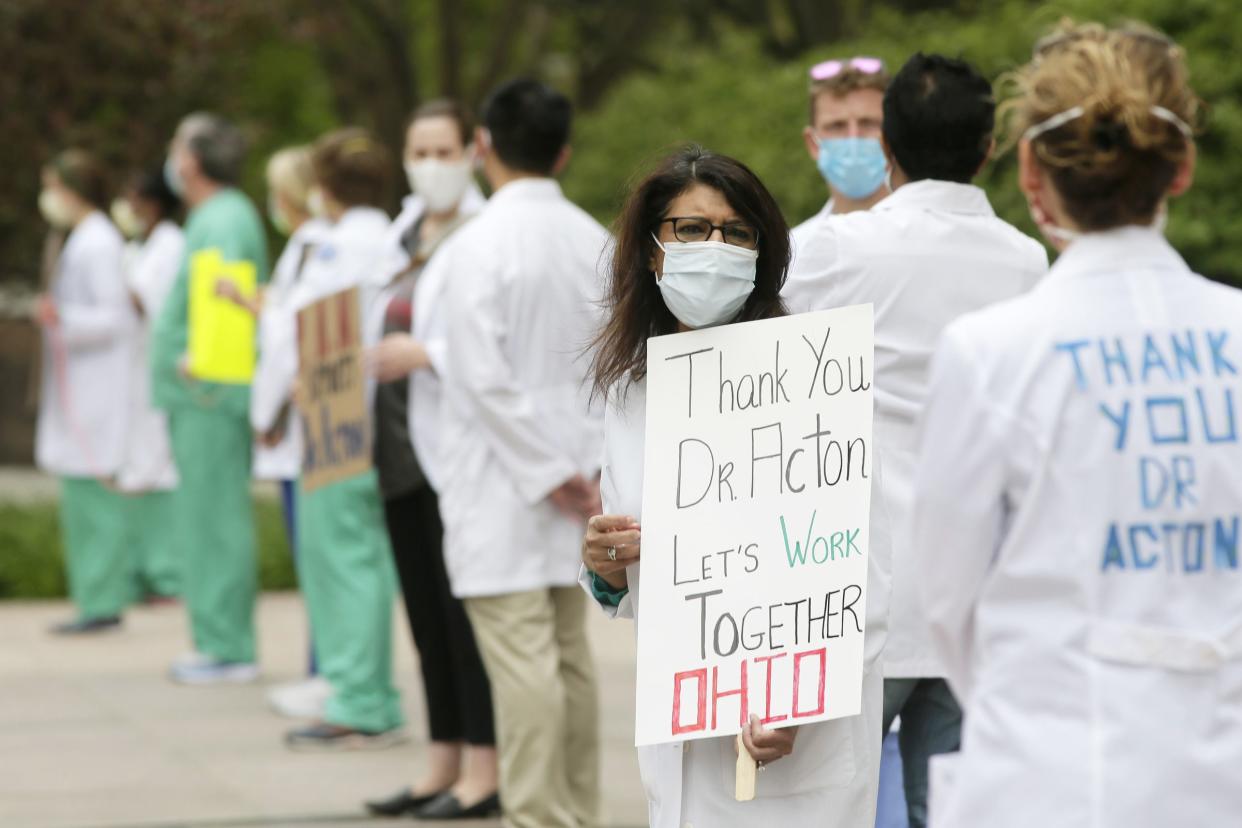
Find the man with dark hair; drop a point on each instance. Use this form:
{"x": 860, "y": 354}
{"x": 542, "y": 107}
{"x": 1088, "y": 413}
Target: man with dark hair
{"x": 208, "y": 419}
{"x": 928, "y": 253}
{"x": 938, "y": 118}
{"x": 528, "y": 125}
{"x": 520, "y": 453}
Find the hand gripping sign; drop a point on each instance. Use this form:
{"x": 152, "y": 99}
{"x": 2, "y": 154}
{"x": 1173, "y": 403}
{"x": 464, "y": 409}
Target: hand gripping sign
{"x": 756, "y": 506}
{"x": 337, "y": 426}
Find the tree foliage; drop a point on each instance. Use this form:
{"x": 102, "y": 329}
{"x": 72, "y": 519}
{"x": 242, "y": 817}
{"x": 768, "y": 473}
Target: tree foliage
{"x": 116, "y": 75}
{"x": 738, "y": 98}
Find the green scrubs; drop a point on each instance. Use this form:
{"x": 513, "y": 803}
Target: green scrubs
{"x": 155, "y": 541}
{"x": 210, "y": 428}
{"x": 347, "y": 579}
{"x": 96, "y": 542}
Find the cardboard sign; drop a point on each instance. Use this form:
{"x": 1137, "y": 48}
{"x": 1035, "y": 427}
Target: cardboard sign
{"x": 222, "y": 335}
{"x": 335, "y": 420}
{"x": 755, "y": 525}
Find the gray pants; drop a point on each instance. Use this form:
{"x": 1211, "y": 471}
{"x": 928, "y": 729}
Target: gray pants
{"x": 931, "y": 723}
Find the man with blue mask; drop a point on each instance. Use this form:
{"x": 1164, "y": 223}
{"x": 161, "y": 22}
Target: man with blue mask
{"x": 931, "y": 251}
{"x": 843, "y": 136}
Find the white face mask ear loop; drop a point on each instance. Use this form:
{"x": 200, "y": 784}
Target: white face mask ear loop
{"x": 1049, "y": 124}
{"x": 1172, "y": 117}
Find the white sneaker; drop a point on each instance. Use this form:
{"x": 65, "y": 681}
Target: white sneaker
{"x": 301, "y": 699}
{"x": 207, "y": 670}
{"x": 191, "y": 659}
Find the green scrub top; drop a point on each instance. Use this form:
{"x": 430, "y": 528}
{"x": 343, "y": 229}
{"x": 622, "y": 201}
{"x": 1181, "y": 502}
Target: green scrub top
{"x": 229, "y": 223}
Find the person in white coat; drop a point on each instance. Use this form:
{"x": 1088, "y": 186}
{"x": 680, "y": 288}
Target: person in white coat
{"x": 842, "y": 137}
{"x": 519, "y": 453}
{"x": 88, "y": 327}
{"x": 700, "y": 243}
{"x": 928, "y": 253}
{"x": 146, "y": 213}
{"x": 1079, "y": 483}
{"x": 344, "y": 564}
{"x": 460, "y": 773}
{"x": 277, "y": 432}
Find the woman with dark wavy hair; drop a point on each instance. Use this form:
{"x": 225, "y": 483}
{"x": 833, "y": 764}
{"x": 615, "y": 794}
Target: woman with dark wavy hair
{"x": 700, "y": 243}
{"x": 696, "y": 201}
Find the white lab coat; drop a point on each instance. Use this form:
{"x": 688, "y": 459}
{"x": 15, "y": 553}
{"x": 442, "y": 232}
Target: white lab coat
{"x": 832, "y": 776}
{"x": 521, "y": 298}
{"x": 928, "y": 253}
{"x": 282, "y": 461}
{"x": 345, "y": 255}
{"x": 426, "y": 326}
{"x": 151, "y": 270}
{"x": 412, "y": 209}
{"x": 800, "y": 235}
{"x": 1097, "y": 693}
{"x": 87, "y": 358}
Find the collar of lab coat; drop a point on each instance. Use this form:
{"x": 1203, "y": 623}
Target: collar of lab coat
{"x": 94, "y": 224}
{"x": 1121, "y": 249}
{"x": 528, "y": 189}
{"x": 359, "y": 218}
{"x": 942, "y": 196}
{"x": 412, "y": 206}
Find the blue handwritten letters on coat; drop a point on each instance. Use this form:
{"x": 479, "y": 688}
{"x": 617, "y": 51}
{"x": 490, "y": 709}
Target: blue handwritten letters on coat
{"x": 1169, "y": 401}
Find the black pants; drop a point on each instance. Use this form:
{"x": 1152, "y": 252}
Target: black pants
{"x": 459, "y": 702}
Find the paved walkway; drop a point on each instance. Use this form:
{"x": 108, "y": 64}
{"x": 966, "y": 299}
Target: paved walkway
{"x": 93, "y": 736}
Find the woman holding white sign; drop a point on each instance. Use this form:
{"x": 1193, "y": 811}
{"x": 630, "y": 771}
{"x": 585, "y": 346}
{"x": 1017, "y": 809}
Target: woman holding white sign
{"x": 702, "y": 243}
{"x": 1079, "y": 481}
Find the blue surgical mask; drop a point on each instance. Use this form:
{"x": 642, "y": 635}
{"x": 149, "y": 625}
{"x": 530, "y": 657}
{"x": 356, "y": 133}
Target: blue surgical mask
{"x": 173, "y": 179}
{"x": 853, "y": 166}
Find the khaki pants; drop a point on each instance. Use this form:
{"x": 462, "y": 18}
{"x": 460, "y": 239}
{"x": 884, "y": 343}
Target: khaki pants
{"x": 535, "y": 649}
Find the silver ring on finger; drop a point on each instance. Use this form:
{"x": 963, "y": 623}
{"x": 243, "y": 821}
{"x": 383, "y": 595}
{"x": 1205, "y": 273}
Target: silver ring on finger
{"x": 612, "y": 553}
{"x": 762, "y": 766}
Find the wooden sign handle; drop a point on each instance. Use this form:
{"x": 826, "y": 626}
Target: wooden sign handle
{"x": 747, "y": 770}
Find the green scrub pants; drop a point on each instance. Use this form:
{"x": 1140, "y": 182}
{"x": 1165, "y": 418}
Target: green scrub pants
{"x": 348, "y": 583}
{"x": 156, "y": 543}
{"x": 97, "y": 557}
{"x": 215, "y": 530}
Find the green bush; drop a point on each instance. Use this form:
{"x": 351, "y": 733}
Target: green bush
{"x": 32, "y": 562}
{"x": 734, "y": 98}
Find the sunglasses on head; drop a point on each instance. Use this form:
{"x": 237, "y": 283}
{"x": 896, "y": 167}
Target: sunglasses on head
{"x": 832, "y": 68}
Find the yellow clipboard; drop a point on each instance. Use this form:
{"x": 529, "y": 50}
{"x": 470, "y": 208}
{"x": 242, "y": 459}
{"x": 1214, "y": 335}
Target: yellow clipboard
{"x": 222, "y": 335}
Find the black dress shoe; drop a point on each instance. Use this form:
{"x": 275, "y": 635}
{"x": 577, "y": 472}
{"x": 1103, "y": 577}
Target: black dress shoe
{"x": 85, "y": 626}
{"x": 402, "y": 803}
{"x": 446, "y": 807}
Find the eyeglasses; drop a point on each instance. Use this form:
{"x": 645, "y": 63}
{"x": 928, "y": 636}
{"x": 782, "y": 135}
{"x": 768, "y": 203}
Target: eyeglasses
{"x": 832, "y": 68}
{"x": 699, "y": 229}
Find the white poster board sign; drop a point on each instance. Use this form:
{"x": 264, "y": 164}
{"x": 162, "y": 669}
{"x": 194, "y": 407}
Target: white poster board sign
{"x": 755, "y": 525}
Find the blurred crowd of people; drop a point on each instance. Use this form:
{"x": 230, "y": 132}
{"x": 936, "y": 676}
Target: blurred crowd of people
{"x": 505, "y": 341}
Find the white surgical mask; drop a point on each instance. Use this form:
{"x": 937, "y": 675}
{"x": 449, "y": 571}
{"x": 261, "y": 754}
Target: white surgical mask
{"x": 173, "y": 178}
{"x": 56, "y": 209}
{"x": 277, "y": 216}
{"x": 315, "y": 203}
{"x": 441, "y": 184}
{"x": 126, "y": 219}
{"x": 706, "y": 283}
